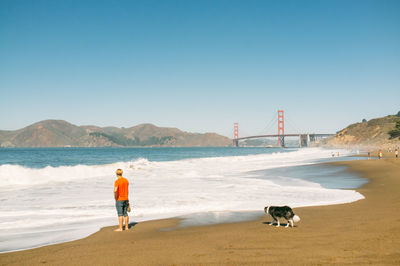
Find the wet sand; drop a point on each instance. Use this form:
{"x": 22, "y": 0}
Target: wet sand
{"x": 362, "y": 232}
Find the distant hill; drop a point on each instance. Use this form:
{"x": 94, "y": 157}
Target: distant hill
{"x": 384, "y": 131}
{"x": 59, "y": 133}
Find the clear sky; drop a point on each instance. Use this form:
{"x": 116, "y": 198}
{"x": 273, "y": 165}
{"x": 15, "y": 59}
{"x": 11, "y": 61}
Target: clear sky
{"x": 199, "y": 65}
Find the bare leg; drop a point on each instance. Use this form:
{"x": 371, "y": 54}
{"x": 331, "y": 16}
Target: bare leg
{"x": 120, "y": 220}
{"x": 127, "y": 222}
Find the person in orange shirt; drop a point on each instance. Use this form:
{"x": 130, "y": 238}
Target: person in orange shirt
{"x": 121, "y": 199}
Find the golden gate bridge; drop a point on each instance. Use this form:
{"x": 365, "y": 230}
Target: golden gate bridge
{"x": 305, "y": 139}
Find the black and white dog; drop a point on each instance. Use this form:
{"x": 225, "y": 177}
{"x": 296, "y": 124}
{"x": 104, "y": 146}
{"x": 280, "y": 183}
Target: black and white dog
{"x": 281, "y": 212}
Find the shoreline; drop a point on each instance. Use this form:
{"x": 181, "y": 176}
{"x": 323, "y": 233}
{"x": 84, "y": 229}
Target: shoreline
{"x": 364, "y": 231}
{"x": 219, "y": 216}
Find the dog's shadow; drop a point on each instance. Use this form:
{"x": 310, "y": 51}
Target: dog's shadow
{"x": 281, "y": 225}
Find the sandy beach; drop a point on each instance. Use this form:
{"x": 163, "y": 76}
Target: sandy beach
{"x": 362, "y": 232}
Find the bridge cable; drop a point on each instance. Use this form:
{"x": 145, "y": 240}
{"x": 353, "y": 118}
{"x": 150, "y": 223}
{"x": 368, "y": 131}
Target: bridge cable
{"x": 243, "y": 133}
{"x": 293, "y": 125}
{"x": 268, "y": 126}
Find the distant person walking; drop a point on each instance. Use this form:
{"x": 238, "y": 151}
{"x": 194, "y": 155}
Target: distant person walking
{"x": 369, "y": 155}
{"x": 396, "y": 152}
{"x": 121, "y": 200}
{"x": 380, "y": 155}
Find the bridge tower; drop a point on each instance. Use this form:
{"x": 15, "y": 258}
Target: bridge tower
{"x": 281, "y": 128}
{"x": 235, "y": 134}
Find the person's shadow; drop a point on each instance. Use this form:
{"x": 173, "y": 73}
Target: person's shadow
{"x": 132, "y": 224}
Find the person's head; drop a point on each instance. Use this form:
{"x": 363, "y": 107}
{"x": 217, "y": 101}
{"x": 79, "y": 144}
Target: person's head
{"x": 119, "y": 172}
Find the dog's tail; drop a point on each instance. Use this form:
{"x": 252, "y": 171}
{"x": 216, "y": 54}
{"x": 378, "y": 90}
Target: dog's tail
{"x": 296, "y": 218}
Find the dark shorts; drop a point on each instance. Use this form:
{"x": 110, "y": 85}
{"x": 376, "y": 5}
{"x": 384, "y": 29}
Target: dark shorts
{"x": 122, "y": 207}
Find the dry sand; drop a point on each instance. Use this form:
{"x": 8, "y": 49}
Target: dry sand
{"x": 363, "y": 232}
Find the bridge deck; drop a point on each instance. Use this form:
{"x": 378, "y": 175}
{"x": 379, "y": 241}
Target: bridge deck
{"x": 285, "y": 135}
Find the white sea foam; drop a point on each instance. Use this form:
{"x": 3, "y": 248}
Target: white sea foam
{"x": 78, "y": 199}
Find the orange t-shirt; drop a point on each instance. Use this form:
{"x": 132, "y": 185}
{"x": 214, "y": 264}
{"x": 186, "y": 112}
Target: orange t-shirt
{"x": 122, "y": 188}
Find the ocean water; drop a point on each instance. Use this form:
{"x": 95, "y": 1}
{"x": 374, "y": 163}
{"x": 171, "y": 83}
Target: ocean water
{"x": 61, "y": 194}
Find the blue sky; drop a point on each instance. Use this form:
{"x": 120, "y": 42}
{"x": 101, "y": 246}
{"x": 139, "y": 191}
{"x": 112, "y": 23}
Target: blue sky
{"x": 199, "y": 65}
